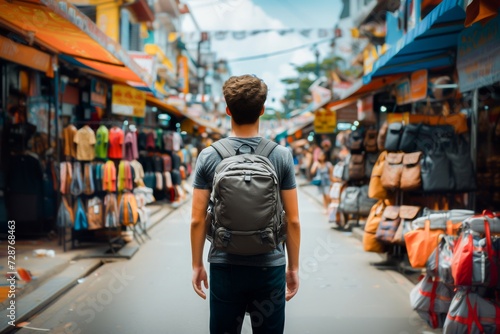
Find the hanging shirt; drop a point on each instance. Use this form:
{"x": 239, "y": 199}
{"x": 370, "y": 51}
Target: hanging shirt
{"x": 159, "y": 139}
{"x": 150, "y": 141}
{"x": 88, "y": 179}
{"x": 76, "y": 187}
{"x": 177, "y": 141}
{"x": 65, "y": 215}
{"x": 95, "y": 213}
{"x": 68, "y": 139}
{"x": 115, "y": 148}
{"x": 109, "y": 177}
{"x": 80, "y": 217}
{"x": 102, "y": 140}
{"x": 130, "y": 147}
{"x": 138, "y": 173}
{"x": 110, "y": 211}
{"x": 85, "y": 141}
{"x": 66, "y": 175}
{"x": 125, "y": 181}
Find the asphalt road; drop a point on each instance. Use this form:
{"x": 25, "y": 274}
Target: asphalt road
{"x": 340, "y": 291}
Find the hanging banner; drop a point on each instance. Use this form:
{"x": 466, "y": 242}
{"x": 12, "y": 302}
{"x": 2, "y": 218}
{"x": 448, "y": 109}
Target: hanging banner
{"x": 98, "y": 92}
{"x": 418, "y": 89}
{"x": 325, "y": 121}
{"x": 403, "y": 94}
{"x": 365, "y": 109}
{"x": 478, "y": 60}
{"x": 128, "y": 101}
{"x": 183, "y": 74}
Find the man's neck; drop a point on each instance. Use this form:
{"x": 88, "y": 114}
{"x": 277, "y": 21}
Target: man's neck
{"x": 245, "y": 131}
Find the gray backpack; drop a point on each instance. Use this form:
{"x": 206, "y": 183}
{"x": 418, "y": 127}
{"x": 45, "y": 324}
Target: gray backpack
{"x": 245, "y": 215}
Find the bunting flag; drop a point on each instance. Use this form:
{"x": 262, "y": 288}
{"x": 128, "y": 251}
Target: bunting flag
{"x": 221, "y": 35}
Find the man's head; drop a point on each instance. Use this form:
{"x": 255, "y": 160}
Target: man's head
{"x": 245, "y": 96}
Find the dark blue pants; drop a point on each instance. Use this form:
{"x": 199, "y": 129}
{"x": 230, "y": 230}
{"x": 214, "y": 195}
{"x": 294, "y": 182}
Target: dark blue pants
{"x": 234, "y": 290}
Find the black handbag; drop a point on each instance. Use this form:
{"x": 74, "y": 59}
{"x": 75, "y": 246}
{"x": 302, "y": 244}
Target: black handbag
{"x": 349, "y": 200}
{"x": 461, "y": 165}
{"x": 393, "y": 138}
{"x": 436, "y": 171}
{"x": 409, "y": 137}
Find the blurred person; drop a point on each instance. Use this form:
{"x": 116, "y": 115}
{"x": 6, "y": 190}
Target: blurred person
{"x": 323, "y": 169}
{"x": 238, "y": 283}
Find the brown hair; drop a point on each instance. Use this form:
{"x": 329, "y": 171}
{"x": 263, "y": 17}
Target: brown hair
{"x": 245, "y": 96}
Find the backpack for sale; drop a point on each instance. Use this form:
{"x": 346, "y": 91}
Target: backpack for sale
{"x": 245, "y": 215}
{"x": 128, "y": 213}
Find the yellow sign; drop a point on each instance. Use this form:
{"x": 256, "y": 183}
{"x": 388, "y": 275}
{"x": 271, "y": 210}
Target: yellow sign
{"x": 325, "y": 121}
{"x": 128, "y": 101}
{"x": 108, "y": 18}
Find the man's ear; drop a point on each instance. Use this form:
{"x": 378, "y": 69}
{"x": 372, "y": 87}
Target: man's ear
{"x": 262, "y": 111}
{"x": 228, "y": 112}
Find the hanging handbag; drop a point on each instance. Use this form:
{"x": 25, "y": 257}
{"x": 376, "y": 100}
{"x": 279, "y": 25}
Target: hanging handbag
{"x": 475, "y": 259}
{"x": 349, "y": 200}
{"x": 431, "y": 299}
{"x": 407, "y": 213}
{"x": 370, "y": 242}
{"x": 357, "y": 167}
{"x": 461, "y": 165}
{"x": 370, "y": 141}
{"x": 375, "y": 189}
{"x": 420, "y": 244}
{"x": 370, "y": 161}
{"x": 389, "y": 224}
{"x": 365, "y": 203}
{"x": 355, "y": 141}
{"x": 393, "y": 168}
{"x": 409, "y": 137}
{"x": 394, "y": 132}
{"x": 436, "y": 172}
{"x": 382, "y": 135}
{"x": 410, "y": 176}
{"x": 470, "y": 313}
{"x": 439, "y": 263}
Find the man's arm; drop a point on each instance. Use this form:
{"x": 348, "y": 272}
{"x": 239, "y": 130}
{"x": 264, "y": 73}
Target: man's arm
{"x": 291, "y": 206}
{"x": 198, "y": 234}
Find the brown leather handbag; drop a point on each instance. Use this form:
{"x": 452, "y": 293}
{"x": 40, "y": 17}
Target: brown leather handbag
{"x": 407, "y": 213}
{"x": 393, "y": 168}
{"x": 389, "y": 224}
{"x": 357, "y": 167}
{"x": 410, "y": 176}
{"x": 375, "y": 189}
{"x": 370, "y": 243}
{"x": 371, "y": 140}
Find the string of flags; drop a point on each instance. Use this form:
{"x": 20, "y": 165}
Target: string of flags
{"x": 221, "y": 35}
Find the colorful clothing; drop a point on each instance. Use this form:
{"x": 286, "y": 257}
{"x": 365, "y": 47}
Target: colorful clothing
{"x": 115, "y": 147}
{"x": 85, "y": 141}
{"x": 102, "y": 140}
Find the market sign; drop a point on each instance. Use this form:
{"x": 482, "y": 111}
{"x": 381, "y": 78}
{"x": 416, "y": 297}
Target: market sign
{"x": 325, "y": 121}
{"x": 418, "y": 85}
{"x": 478, "y": 60}
{"x": 128, "y": 101}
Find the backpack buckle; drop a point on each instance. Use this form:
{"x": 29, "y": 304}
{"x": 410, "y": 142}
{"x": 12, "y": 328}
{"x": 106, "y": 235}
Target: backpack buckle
{"x": 248, "y": 177}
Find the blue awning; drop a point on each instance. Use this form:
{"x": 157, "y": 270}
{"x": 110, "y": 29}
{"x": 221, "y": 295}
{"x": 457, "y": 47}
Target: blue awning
{"x": 431, "y": 44}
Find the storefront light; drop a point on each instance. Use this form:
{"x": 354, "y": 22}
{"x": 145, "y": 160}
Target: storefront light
{"x": 383, "y": 109}
{"x": 164, "y": 117}
{"x": 356, "y": 123}
{"x": 154, "y": 109}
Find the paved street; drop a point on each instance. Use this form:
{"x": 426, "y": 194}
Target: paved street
{"x": 151, "y": 293}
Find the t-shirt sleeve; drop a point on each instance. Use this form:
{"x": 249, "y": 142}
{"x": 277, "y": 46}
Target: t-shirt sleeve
{"x": 205, "y": 168}
{"x": 76, "y": 137}
{"x": 92, "y": 140}
{"x": 287, "y": 171}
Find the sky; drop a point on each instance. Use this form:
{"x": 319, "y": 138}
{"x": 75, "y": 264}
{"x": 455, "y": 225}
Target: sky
{"x": 238, "y": 15}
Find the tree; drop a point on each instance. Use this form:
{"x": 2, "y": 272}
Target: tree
{"x": 298, "y": 92}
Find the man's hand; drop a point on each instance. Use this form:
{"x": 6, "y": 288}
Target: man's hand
{"x": 292, "y": 284}
{"x": 200, "y": 275}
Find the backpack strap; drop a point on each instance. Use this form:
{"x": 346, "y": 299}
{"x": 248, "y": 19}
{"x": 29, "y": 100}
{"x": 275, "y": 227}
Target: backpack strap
{"x": 224, "y": 148}
{"x": 265, "y": 147}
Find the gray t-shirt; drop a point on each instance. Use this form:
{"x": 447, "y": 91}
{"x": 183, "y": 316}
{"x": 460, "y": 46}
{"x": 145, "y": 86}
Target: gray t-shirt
{"x": 282, "y": 161}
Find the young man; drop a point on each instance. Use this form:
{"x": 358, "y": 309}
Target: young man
{"x": 257, "y": 284}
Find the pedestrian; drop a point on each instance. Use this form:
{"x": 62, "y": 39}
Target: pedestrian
{"x": 323, "y": 170}
{"x": 257, "y": 284}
